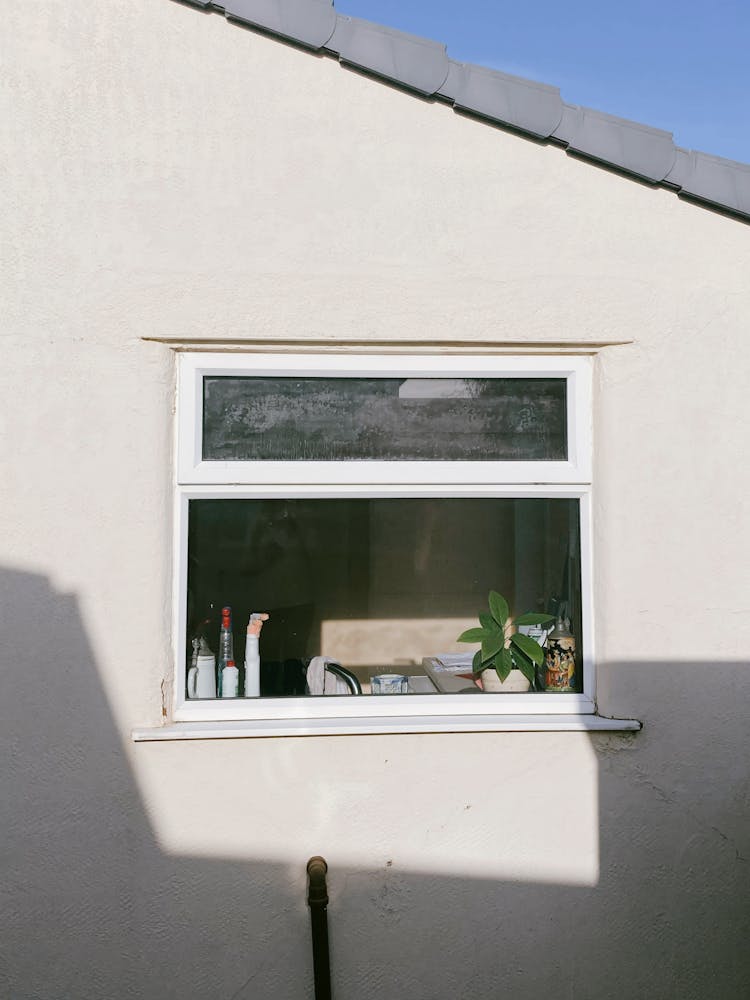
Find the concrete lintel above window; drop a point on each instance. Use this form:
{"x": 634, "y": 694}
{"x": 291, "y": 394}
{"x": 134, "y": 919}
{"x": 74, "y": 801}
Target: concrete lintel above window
{"x": 428, "y": 344}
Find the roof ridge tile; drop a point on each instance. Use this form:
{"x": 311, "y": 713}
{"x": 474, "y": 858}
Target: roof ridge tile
{"x": 640, "y": 149}
{"x": 410, "y": 60}
{"x": 524, "y": 104}
{"x": 721, "y": 182}
{"x": 422, "y": 65}
{"x": 308, "y": 22}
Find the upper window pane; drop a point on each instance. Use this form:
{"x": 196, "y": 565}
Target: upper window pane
{"x": 274, "y": 418}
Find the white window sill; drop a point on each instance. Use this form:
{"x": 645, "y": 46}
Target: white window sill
{"x": 386, "y": 725}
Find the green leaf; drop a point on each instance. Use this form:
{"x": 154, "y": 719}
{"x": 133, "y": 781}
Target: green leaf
{"x": 474, "y": 635}
{"x": 526, "y": 668}
{"x": 476, "y": 664}
{"x": 487, "y": 621}
{"x": 504, "y": 664}
{"x": 534, "y": 619}
{"x": 529, "y": 647}
{"x": 499, "y": 608}
{"x": 492, "y": 645}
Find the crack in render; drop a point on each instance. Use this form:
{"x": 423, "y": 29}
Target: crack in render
{"x": 737, "y": 855}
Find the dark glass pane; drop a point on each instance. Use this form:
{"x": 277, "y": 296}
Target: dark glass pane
{"x": 392, "y": 419}
{"x": 377, "y": 584}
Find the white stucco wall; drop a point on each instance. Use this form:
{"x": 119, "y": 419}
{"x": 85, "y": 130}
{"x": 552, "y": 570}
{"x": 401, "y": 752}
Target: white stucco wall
{"x": 168, "y": 176}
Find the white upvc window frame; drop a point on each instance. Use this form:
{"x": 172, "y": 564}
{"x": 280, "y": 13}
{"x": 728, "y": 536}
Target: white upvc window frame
{"x": 196, "y": 479}
{"x": 192, "y": 470}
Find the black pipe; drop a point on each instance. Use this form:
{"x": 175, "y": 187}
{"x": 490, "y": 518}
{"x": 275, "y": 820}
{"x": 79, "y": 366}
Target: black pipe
{"x": 317, "y": 900}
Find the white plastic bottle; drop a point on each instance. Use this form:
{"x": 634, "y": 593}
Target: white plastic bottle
{"x": 252, "y": 654}
{"x": 230, "y": 680}
{"x": 252, "y": 667}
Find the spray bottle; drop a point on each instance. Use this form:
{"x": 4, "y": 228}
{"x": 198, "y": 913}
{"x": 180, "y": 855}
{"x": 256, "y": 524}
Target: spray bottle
{"x": 226, "y": 645}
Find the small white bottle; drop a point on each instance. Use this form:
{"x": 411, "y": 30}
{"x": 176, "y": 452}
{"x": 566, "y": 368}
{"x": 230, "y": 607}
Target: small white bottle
{"x": 230, "y": 680}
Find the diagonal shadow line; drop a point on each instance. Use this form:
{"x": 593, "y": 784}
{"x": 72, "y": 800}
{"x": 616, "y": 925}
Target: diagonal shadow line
{"x": 93, "y": 907}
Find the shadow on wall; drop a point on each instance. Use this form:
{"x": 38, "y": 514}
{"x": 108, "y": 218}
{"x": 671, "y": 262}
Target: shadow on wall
{"x": 92, "y": 908}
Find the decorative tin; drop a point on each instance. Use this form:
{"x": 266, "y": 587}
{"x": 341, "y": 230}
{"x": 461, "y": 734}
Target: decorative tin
{"x": 560, "y": 659}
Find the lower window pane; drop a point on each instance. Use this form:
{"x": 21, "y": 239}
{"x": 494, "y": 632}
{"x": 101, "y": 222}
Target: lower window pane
{"x": 382, "y": 587}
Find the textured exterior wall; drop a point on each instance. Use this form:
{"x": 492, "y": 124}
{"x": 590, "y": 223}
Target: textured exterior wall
{"x": 165, "y": 177}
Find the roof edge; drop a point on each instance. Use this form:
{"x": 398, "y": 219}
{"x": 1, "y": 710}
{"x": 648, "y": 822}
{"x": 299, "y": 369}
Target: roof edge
{"x": 422, "y": 66}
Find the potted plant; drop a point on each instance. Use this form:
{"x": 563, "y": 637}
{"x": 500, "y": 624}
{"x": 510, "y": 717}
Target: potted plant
{"x": 510, "y": 657}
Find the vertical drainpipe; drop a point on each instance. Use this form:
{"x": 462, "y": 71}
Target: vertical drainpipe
{"x": 317, "y": 900}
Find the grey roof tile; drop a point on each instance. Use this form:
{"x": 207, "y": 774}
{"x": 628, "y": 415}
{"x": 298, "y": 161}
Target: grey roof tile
{"x": 310, "y": 22}
{"x": 639, "y": 149}
{"x": 453, "y": 81}
{"x": 523, "y": 104}
{"x": 414, "y": 62}
{"x": 725, "y": 183}
{"x": 423, "y": 66}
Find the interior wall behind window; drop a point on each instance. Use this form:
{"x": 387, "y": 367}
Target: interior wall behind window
{"x": 377, "y": 581}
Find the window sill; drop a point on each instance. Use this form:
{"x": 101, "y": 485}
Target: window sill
{"x": 368, "y": 726}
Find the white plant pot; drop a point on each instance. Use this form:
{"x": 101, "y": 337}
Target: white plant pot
{"x": 514, "y": 683}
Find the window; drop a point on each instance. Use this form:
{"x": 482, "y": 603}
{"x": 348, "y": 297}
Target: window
{"x": 369, "y": 503}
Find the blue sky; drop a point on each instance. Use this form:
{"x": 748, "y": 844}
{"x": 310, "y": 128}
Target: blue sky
{"x": 683, "y": 67}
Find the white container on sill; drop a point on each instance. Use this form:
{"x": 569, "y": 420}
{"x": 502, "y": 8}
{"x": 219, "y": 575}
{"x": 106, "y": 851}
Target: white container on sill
{"x": 230, "y": 681}
{"x": 201, "y": 679}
